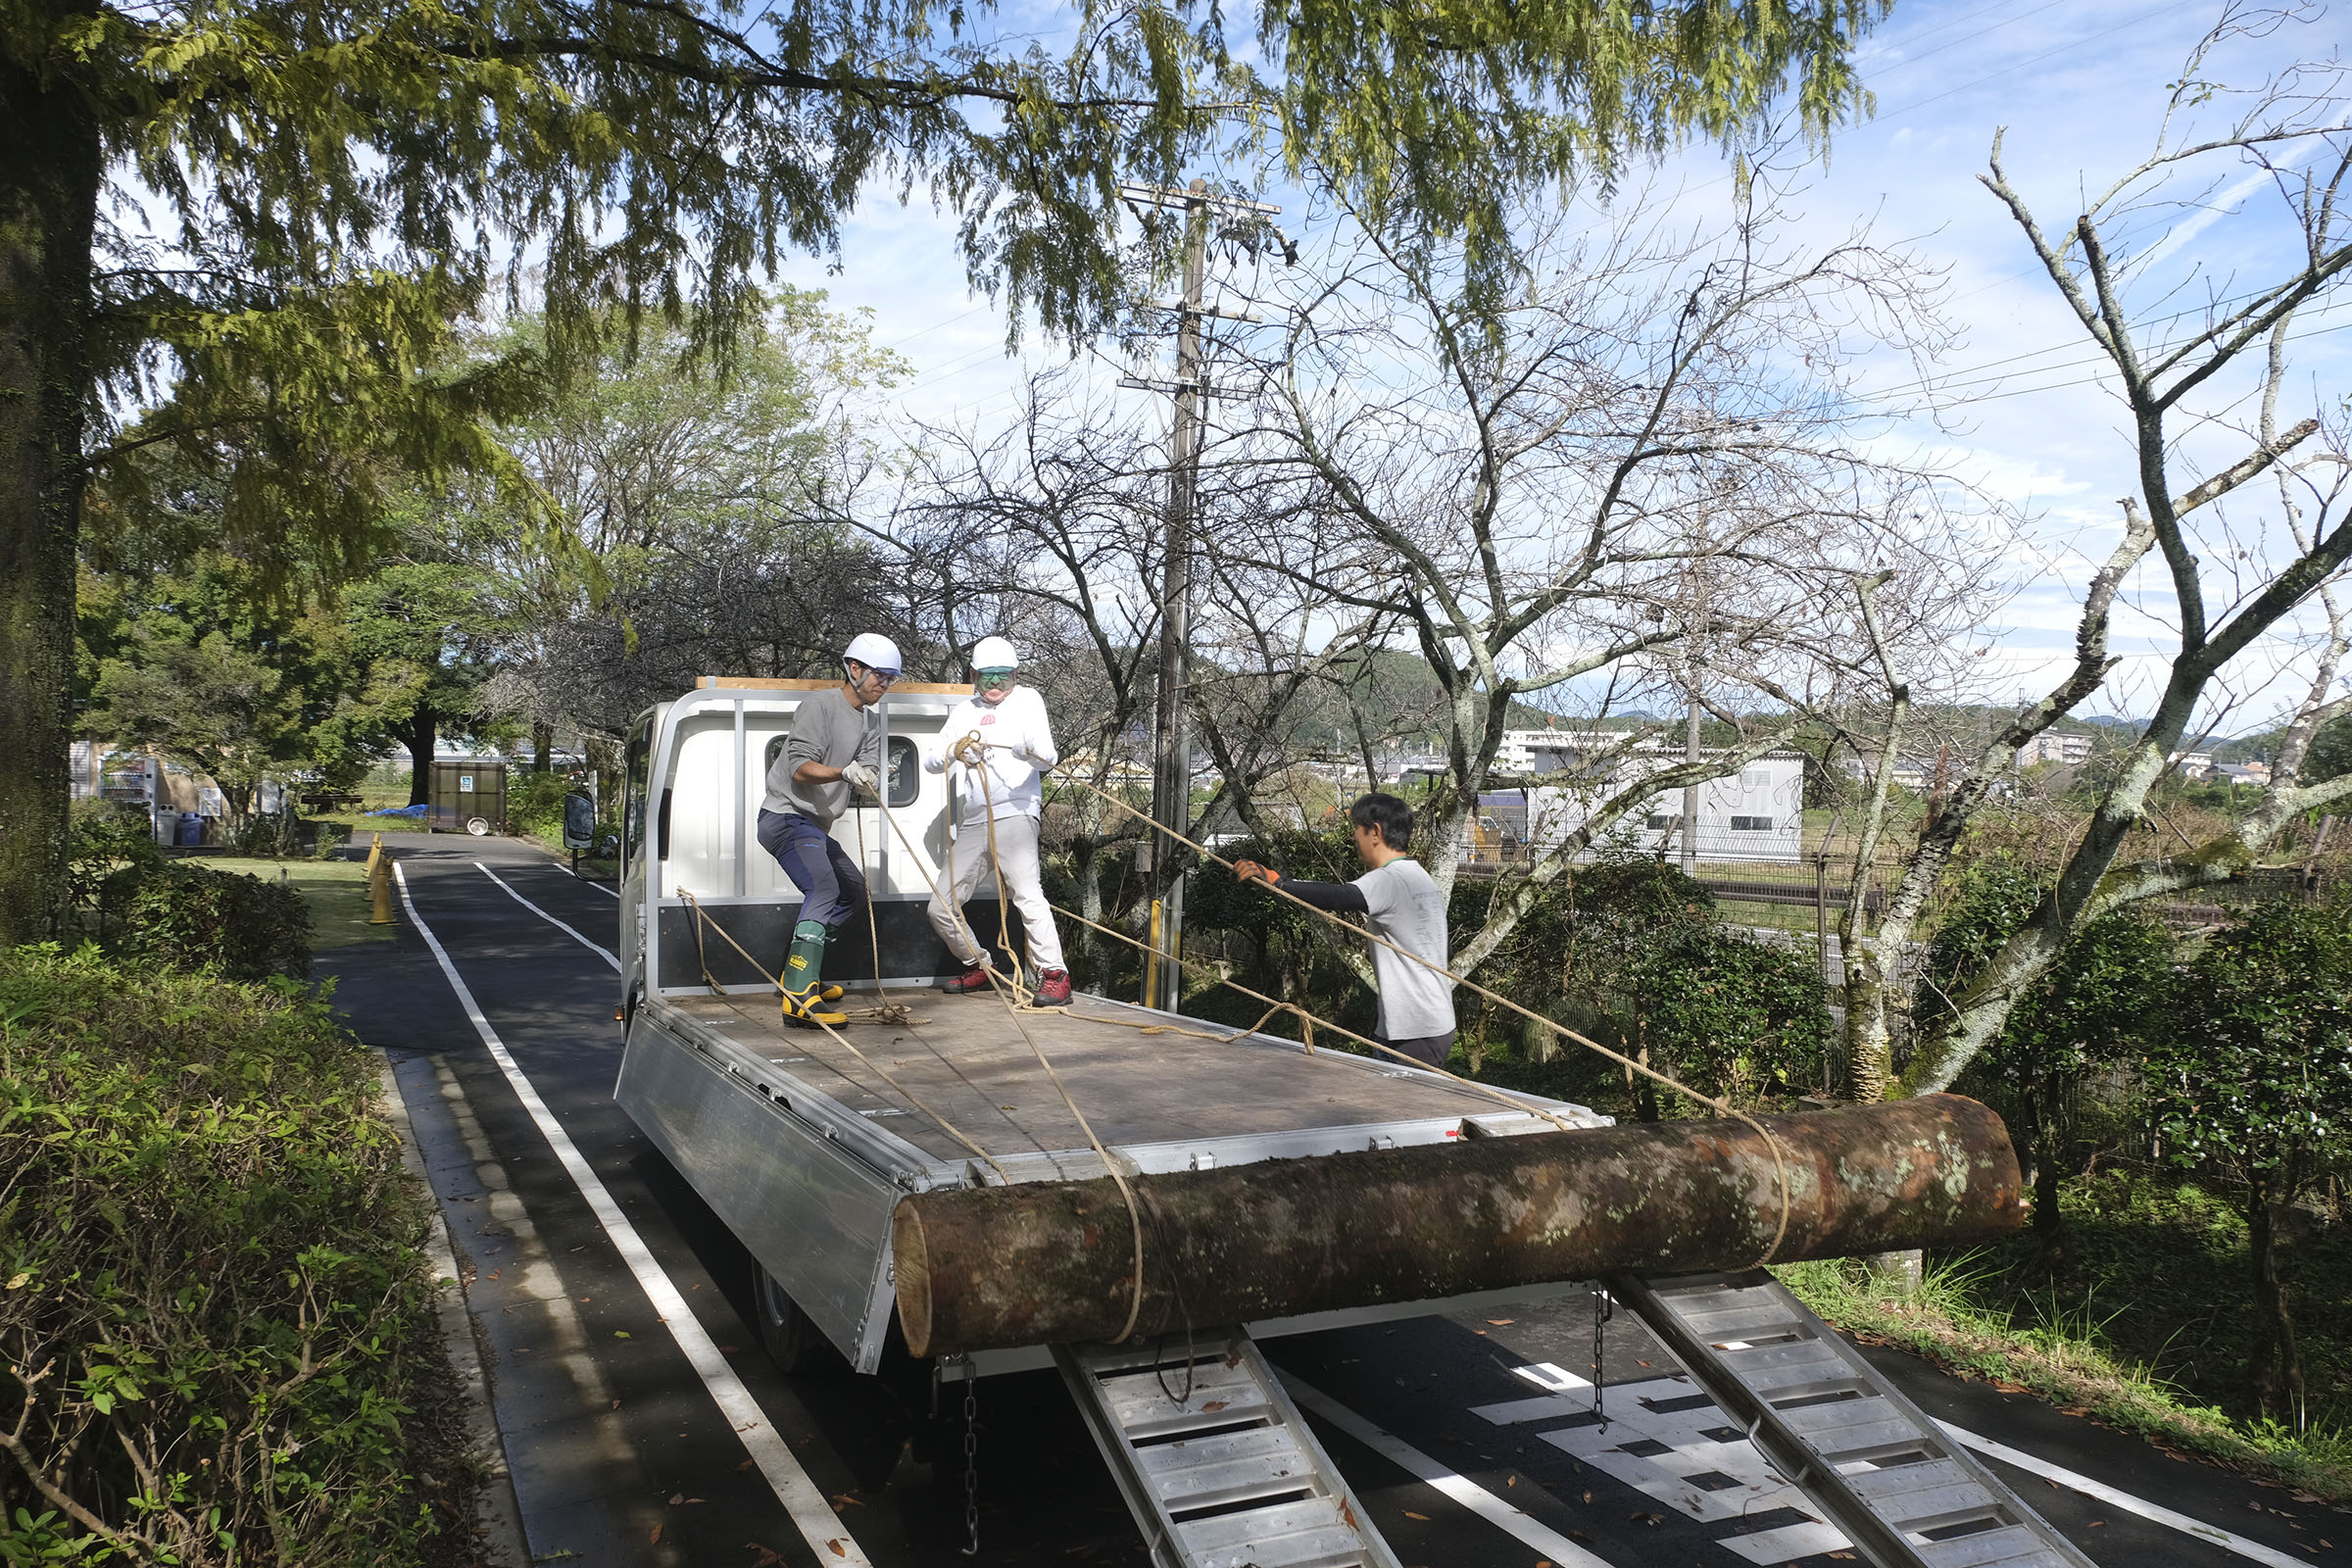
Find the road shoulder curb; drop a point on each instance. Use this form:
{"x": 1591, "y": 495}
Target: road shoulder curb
{"x": 498, "y": 1516}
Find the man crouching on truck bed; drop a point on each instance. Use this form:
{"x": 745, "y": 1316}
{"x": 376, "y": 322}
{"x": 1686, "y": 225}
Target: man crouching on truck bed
{"x": 1404, "y": 906}
{"x": 835, "y": 747}
{"x": 1003, "y": 798}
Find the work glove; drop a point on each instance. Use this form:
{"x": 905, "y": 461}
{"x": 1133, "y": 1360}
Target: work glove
{"x": 1251, "y": 871}
{"x": 859, "y": 777}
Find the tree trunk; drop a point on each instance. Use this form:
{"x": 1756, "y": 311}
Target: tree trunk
{"x": 1047, "y": 1262}
{"x": 543, "y": 743}
{"x": 421, "y": 734}
{"x": 49, "y": 188}
{"x": 2275, "y": 1370}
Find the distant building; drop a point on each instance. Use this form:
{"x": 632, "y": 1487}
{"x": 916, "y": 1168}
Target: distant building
{"x": 164, "y": 791}
{"x": 2055, "y": 746}
{"x": 1756, "y": 813}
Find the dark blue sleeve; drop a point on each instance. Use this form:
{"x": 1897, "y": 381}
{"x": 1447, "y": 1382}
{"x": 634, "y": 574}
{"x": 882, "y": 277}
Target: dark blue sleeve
{"x": 1344, "y": 895}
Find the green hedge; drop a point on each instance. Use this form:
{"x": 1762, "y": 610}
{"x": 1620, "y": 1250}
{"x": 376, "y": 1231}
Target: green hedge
{"x": 215, "y": 1337}
{"x": 182, "y": 915}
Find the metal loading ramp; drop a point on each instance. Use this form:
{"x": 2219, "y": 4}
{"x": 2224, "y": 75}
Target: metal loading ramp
{"x": 1875, "y": 1466}
{"x": 1215, "y": 1460}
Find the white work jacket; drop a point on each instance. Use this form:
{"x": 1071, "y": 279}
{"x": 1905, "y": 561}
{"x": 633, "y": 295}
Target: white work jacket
{"x": 1012, "y": 785}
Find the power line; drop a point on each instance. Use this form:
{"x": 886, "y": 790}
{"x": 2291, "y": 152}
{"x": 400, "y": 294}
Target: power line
{"x": 2047, "y": 54}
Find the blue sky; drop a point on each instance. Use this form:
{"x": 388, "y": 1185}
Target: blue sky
{"x": 2080, "y": 84}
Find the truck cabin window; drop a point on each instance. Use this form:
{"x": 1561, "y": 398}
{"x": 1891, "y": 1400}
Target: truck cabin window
{"x": 904, "y": 777}
{"x": 635, "y": 772}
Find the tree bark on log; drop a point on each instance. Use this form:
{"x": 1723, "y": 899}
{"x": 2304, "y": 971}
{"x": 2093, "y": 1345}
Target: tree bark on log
{"x": 1054, "y": 1262}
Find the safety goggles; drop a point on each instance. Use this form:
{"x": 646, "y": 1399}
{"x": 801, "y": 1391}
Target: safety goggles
{"x": 885, "y": 676}
{"x": 995, "y": 677}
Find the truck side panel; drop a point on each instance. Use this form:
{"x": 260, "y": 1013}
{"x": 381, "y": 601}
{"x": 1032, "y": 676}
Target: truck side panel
{"x": 814, "y": 1214}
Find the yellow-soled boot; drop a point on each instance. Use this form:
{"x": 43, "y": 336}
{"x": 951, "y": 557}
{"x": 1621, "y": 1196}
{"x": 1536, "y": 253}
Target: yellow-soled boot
{"x": 807, "y": 996}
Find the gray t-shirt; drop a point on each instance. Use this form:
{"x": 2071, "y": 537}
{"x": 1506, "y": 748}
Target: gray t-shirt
{"x": 1407, "y": 908}
{"x": 827, "y": 730}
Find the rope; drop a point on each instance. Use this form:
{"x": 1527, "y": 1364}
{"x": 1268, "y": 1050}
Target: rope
{"x": 1721, "y": 1107}
{"x": 1007, "y": 993}
{"x": 881, "y": 1011}
{"x": 879, "y": 1070}
{"x": 1310, "y": 1020}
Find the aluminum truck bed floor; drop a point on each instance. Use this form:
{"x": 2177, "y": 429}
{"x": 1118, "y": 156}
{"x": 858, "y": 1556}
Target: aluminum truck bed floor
{"x": 966, "y": 1059}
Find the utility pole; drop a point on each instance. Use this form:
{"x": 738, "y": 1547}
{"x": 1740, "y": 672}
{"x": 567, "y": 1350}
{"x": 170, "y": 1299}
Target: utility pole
{"x": 1690, "y": 791}
{"x": 1171, "y": 752}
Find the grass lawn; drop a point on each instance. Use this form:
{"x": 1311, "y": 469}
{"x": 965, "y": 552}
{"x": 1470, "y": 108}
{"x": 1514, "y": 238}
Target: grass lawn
{"x": 2148, "y": 1327}
{"x": 335, "y": 889}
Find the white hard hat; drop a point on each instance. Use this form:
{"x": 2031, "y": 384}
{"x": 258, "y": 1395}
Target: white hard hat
{"x": 994, "y": 653}
{"x": 875, "y": 652}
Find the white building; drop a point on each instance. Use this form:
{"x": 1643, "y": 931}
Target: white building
{"x": 2055, "y": 746}
{"x": 1756, "y": 813}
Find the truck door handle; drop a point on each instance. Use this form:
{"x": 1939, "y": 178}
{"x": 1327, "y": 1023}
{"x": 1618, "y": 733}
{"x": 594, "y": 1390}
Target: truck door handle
{"x": 661, "y": 828}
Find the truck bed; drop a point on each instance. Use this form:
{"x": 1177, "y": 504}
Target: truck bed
{"x": 1138, "y": 1079}
{"x": 803, "y": 1151}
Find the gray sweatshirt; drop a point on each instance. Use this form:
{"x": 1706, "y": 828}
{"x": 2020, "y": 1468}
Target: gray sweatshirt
{"x": 826, "y": 730}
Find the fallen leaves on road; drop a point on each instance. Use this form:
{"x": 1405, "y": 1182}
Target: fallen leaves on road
{"x": 654, "y": 1539}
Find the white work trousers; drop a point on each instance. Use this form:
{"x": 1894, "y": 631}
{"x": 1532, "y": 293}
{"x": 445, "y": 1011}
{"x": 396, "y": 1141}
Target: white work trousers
{"x": 1016, "y": 859}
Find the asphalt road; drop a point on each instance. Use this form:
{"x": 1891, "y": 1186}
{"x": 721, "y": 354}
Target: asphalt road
{"x": 622, "y": 1455}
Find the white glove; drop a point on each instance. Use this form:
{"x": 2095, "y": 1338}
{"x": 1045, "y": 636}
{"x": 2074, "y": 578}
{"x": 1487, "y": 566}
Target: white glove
{"x": 859, "y": 777}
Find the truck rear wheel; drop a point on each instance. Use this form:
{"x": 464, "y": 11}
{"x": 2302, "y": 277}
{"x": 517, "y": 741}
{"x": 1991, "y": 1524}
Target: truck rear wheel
{"x": 791, "y": 1340}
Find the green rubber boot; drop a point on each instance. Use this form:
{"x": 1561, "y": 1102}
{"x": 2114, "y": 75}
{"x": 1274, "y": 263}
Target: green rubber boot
{"x": 804, "y": 998}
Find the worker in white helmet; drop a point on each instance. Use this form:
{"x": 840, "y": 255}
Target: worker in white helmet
{"x": 999, "y": 781}
{"x": 835, "y": 747}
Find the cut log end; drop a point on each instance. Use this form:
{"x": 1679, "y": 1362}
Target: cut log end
{"x": 911, "y": 1269}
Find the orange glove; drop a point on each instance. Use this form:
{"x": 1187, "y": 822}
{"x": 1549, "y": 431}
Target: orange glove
{"x": 1251, "y": 871}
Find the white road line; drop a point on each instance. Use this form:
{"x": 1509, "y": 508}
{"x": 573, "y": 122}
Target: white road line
{"x": 601, "y": 951}
{"x": 610, "y": 893}
{"x": 2252, "y": 1550}
{"x": 1471, "y": 1495}
{"x": 800, "y": 1496}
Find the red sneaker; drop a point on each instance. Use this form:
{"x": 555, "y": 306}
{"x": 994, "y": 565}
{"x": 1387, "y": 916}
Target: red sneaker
{"x": 1053, "y": 988}
{"x": 972, "y": 979}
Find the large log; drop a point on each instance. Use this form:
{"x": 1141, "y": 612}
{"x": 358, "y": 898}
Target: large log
{"x": 1050, "y": 1262}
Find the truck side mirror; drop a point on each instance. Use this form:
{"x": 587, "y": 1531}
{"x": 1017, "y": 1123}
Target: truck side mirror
{"x": 579, "y": 821}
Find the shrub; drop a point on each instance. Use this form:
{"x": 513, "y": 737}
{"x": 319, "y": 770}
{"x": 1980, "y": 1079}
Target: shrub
{"x": 2254, "y": 1077}
{"x": 183, "y": 915}
{"x": 214, "y": 1316}
{"x": 104, "y": 840}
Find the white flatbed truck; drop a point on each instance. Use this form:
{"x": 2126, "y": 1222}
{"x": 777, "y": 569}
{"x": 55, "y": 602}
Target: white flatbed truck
{"x": 803, "y": 1151}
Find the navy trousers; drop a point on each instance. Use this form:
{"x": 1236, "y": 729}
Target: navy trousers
{"x": 832, "y": 888}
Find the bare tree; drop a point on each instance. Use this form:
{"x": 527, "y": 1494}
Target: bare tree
{"x": 2251, "y": 580}
{"x": 1045, "y": 531}
{"x": 1629, "y": 490}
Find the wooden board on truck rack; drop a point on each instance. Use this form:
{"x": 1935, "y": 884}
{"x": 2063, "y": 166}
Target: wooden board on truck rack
{"x": 966, "y": 1057}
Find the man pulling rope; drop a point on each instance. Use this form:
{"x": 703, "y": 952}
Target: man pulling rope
{"x": 1406, "y": 911}
{"x": 1001, "y": 802}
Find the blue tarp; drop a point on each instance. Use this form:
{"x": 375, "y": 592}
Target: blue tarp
{"x": 397, "y": 810}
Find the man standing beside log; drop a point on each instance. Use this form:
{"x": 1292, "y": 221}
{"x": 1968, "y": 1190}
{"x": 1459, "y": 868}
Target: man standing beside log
{"x": 1403, "y": 905}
